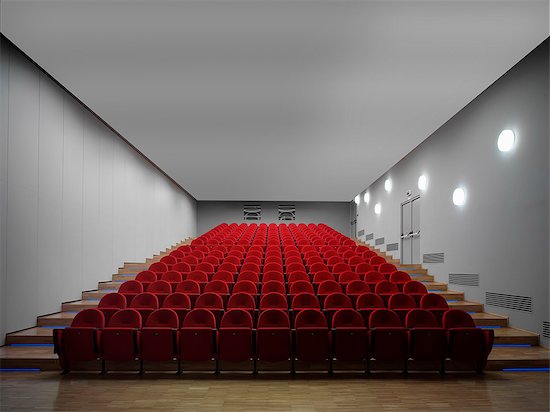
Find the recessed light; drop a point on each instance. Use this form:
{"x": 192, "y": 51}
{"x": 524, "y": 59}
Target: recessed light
{"x": 378, "y": 208}
{"x": 506, "y": 140}
{"x": 357, "y": 199}
{"x": 423, "y": 182}
{"x": 387, "y": 185}
{"x": 459, "y": 196}
{"x": 366, "y": 197}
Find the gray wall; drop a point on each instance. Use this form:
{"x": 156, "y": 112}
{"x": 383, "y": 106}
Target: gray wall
{"x": 334, "y": 214}
{"x": 77, "y": 201}
{"x": 502, "y": 232}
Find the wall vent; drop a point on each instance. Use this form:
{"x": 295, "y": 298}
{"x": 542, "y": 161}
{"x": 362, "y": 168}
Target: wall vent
{"x": 361, "y": 233}
{"x": 546, "y": 329}
{"x": 379, "y": 241}
{"x": 464, "y": 279}
{"x": 433, "y": 257}
{"x": 287, "y": 212}
{"x": 252, "y": 212}
{"x": 369, "y": 236}
{"x": 392, "y": 246}
{"x": 515, "y": 302}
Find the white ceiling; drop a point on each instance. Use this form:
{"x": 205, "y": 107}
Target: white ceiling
{"x": 274, "y": 99}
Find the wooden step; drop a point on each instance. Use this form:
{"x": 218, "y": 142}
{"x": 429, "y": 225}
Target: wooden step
{"x": 422, "y": 278}
{"x": 518, "y": 357}
{"x": 96, "y": 294}
{"x": 451, "y": 294}
{"x": 489, "y": 319}
{"x": 124, "y": 277}
{"x": 31, "y": 335}
{"x": 79, "y": 305}
{"x": 56, "y": 319}
{"x": 113, "y": 285}
{"x": 509, "y": 335}
{"x": 431, "y": 286}
{"x": 415, "y": 271}
{"x": 466, "y": 306}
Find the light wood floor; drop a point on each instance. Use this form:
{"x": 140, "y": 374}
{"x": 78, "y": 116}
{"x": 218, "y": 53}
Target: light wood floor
{"x": 495, "y": 391}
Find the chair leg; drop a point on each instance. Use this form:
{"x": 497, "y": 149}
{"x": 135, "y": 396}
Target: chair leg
{"x": 141, "y": 370}
{"x": 255, "y": 371}
{"x": 442, "y": 368}
{"x": 330, "y": 370}
{"x": 217, "y": 372}
{"x": 179, "y": 367}
{"x": 293, "y": 370}
{"x": 103, "y": 368}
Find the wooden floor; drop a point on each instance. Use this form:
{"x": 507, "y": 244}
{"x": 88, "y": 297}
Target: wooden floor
{"x": 495, "y": 391}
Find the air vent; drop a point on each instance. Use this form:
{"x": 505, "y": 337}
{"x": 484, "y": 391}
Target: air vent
{"x": 433, "y": 258}
{"x": 392, "y": 246}
{"x": 252, "y": 212}
{"x": 379, "y": 241}
{"x": 515, "y": 302}
{"x": 369, "y": 236}
{"x": 361, "y": 233}
{"x": 287, "y": 212}
{"x": 464, "y": 279}
{"x": 546, "y": 329}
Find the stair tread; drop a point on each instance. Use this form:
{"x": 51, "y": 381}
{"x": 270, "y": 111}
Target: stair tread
{"x": 36, "y": 331}
{"x": 486, "y": 315}
{"x": 59, "y": 315}
{"x": 513, "y": 332}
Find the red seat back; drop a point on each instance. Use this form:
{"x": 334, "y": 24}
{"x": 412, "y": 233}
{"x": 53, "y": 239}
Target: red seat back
{"x": 162, "y": 318}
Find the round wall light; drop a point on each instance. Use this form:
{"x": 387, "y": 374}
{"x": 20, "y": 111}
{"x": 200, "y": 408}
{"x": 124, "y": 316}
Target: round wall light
{"x": 387, "y": 185}
{"x": 357, "y": 199}
{"x": 378, "y": 208}
{"x": 506, "y": 140}
{"x": 423, "y": 182}
{"x": 459, "y": 196}
{"x": 366, "y": 197}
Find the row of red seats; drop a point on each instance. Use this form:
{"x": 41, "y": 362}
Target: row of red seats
{"x": 365, "y": 303}
{"x": 197, "y": 340}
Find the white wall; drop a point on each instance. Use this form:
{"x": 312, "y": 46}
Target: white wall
{"x": 502, "y": 231}
{"x": 334, "y": 214}
{"x": 77, "y": 201}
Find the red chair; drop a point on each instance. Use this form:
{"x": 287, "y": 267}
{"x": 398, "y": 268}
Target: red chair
{"x": 312, "y": 337}
{"x": 415, "y": 289}
{"x": 206, "y": 267}
{"x": 179, "y": 303}
{"x": 273, "y": 275}
{"x": 160, "y": 289}
{"x": 339, "y": 268}
{"x": 427, "y": 340}
{"x": 250, "y": 276}
{"x": 386, "y": 269}
{"x": 385, "y": 289}
{"x": 145, "y": 303}
{"x": 146, "y": 277}
{"x": 335, "y": 302}
{"x": 328, "y": 287}
{"x": 376, "y": 261}
{"x": 130, "y": 289}
{"x": 159, "y": 337}
{"x": 235, "y": 336}
{"x": 182, "y": 267}
{"x": 245, "y": 286}
{"x": 356, "y": 288}
{"x": 190, "y": 288}
{"x": 373, "y": 278}
{"x": 169, "y": 261}
{"x": 198, "y": 276}
{"x": 349, "y": 336}
{"x": 298, "y": 276}
{"x": 304, "y": 301}
{"x": 363, "y": 268}
{"x": 158, "y": 268}
{"x": 347, "y": 277}
{"x": 172, "y": 277}
{"x": 80, "y": 341}
{"x": 198, "y": 337}
{"x": 273, "y": 340}
{"x": 211, "y": 301}
{"x": 273, "y": 300}
{"x": 273, "y": 287}
{"x": 120, "y": 339}
{"x": 388, "y": 339}
{"x": 191, "y": 260}
{"x": 401, "y": 304}
{"x": 320, "y": 277}
{"x": 225, "y": 276}
{"x": 400, "y": 278}
{"x": 251, "y": 266}
{"x": 234, "y": 260}
{"x": 467, "y": 344}
{"x": 300, "y": 286}
{"x": 110, "y": 304}
{"x": 242, "y": 301}
{"x": 228, "y": 267}
{"x": 295, "y": 267}
{"x": 219, "y": 288}
{"x": 368, "y": 303}
{"x": 436, "y": 304}
{"x": 318, "y": 267}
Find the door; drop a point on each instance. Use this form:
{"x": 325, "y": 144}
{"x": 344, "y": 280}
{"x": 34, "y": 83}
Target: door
{"x": 410, "y": 231}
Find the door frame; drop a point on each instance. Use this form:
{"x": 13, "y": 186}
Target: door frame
{"x": 410, "y": 200}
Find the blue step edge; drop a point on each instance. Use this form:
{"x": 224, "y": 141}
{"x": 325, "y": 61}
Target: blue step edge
{"x": 512, "y": 345}
{"x": 127, "y": 274}
{"x": 19, "y": 370}
{"x": 489, "y": 327}
{"x": 452, "y": 300}
{"x": 54, "y": 327}
{"x": 526, "y": 370}
{"x": 49, "y": 345}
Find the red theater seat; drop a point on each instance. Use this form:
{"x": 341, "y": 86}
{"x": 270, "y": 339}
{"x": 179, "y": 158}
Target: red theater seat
{"x": 388, "y": 339}
{"x": 198, "y": 337}
{"x": 273, "y": 286}
{"x": 211, "y": 301}
{"x": 120, "y": 339}
{"x": 273, "y": 300}
{"x": 219, "y": 288}
{"x": 189, "y": 288}
{"x": 110, "y": 304}
{"x": 146, "y": 277}
{"x": 235, "y": 336}
{"x": 245, "y": 286}
{"x": 335, "y": 302}
{"x": 373, "y": 278}
{"x": 179, "y": 303}
{"x": 401, "y": 304}
{"x": 300, "y": 286}
{"x": 385, "y": 289}
{"x": 436, "y": 304}
{"x": 160, "y": 289}
{"x": 400, "y": 278}
{"x": 172, "y": 277}
{"x": 349, "y": 336}
{"x": 427, "y": 340}
{"x": 312, "y": 337}
{"x": 130, "y": 289}
{"x": 159, "y": 337}
{"x": 242, "y": 301}
{"x": 386, "y": 269}
{"x": 356, "y": 288}
{"x": 274, "y": 343}
{"x": 415, "y": 289}
{"x": 145, "y": 303}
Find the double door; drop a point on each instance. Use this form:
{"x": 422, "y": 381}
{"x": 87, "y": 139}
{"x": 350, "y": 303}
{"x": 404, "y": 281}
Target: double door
{"x": 410, "y": 231}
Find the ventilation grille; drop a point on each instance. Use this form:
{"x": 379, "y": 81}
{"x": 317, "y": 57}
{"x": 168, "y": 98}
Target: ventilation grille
{"x": 379, "y": 241}
{"x": 252, "y": 212}
{"x": 464, "y": 279}
{"x": 369, "y": 236}
{"x": 433, "y": 258}
{"x": 515, "y": 302}
{"x": 546, "y": 329}
{"x": 361, "y": 233}
{"x": 287, "y": 212}
{"x": 392, "y": 246}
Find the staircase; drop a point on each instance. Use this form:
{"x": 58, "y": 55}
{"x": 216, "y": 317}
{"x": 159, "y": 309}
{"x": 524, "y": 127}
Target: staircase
{"x": 33, "y": 348}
